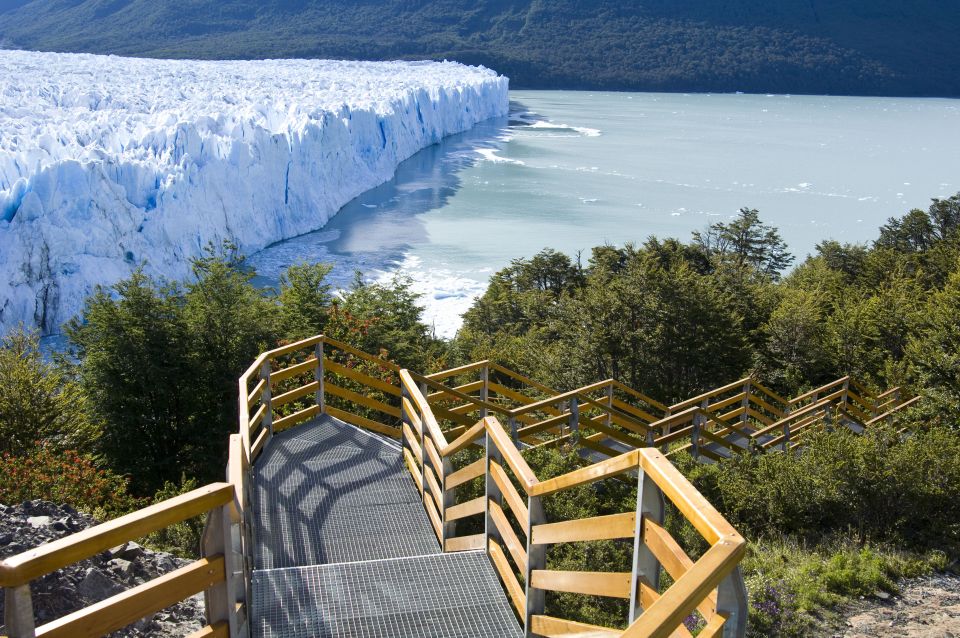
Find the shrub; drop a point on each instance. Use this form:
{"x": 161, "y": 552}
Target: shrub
{"x": 68, "y": 477}
{"x": 39, "y": 402}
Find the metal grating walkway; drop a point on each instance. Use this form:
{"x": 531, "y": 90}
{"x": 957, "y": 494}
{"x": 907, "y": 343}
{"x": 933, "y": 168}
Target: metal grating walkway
{"x": 439, "y": 596}
{"x": 327, "y": 492}
{"x": 343, "y": 547}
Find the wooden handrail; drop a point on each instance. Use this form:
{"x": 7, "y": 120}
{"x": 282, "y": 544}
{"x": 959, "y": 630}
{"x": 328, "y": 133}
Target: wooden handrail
{"x": 22, "y": 568}
{"x": 892, "y": 411}
{"x": 822, "y": 388}
{"x": 706, "y": 395}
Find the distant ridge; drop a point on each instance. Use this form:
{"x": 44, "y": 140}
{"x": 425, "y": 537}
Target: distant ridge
{"x": 859, "y": 47}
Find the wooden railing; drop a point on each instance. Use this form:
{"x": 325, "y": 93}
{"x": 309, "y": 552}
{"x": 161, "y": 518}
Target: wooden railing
{"x": 472, "y": 481}
{"x": 467, "y": 467}
{"x": 219, "y": 573}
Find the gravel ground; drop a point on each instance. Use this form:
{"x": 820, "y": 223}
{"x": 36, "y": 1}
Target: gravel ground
{"x": 34, "y": 523}
{"x": 924, "y": 608}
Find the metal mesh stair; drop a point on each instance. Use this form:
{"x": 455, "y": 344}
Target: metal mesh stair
{"x": 343, "y": 547}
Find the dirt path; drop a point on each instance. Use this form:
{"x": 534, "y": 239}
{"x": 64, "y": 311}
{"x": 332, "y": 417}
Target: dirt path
{"x": 925, "y": 608}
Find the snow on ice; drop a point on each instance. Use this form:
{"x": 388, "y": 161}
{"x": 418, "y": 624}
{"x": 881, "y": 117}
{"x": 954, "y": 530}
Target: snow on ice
{"x": 107, "y": 163}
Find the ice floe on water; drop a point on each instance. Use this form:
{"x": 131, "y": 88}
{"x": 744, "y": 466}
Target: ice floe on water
{"x": 107, "y": 163}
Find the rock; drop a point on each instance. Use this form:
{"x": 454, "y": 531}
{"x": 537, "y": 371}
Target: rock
{"x": 97, "y": 586}
{"x": 31, "y": 524}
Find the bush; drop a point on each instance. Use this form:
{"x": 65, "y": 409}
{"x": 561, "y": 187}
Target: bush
{"x": 183, "y": 538}
{"x": 69, "y": 478}
{"x": 876, "y": 487}
{"x": 39, "y": 402}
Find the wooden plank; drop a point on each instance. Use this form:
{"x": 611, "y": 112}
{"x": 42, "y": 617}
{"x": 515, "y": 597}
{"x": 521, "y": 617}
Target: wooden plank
{"x": 770, "y": 393}
{"x": 673, "y": 559}
{"x": 434, "y": 488}
{"x": 635, "y": 411}
{"x": 772, "y": 409}
{"x": 592, "y": 443}
{"x": 693, "y": 401}
{"x": 258, "y": 444}
{"x": 384, "y": 363}
{"x": 359, "y": 399}
{"x": 453, "y": 372}
{"x": 510, "y": 494}
{"x": 254, "y": 397}
{"x": 691, "y": 503}
{"x": 364, "y": 422}
{"x": 640, "y": 395}
{"x": 540, "y": 426}
{"x": 414, "y": 469}
{"x": 762, "y": 418}
{"x": 464, "y": 409}
{"x": 617, "y": 435}
{"x": 469, "y": 508}
{"x": 888, "y": 413}
{"x": 467, "y": 473}
{"x": 434, "y": 457}
{"x": 719, "y": 405}
{"x": 218, "y": 630}
{"x": 510, "y": 582}
{"x": 130, "y": 606}
{"x": 586, "y": 529}
{"x": 516, "y": 376}
{"x": 714, "y": 627}
{"x": 595, "y": 472}
{"x": 447, "y": 415}
{"x": 473, "y": 433}
{"x": 303, "y": 344}
{"x": 465, "y": 543}
{"x": 511, "y": 455}
{"x": 510, "y": 539}
{"x": 608, "y": 584}
{"x": 293, "y": 395}
{"x": 820, "y": 390}
{"x": 285, "y": 423}
{"x": 292, "y": 371}
{"x": 466, "y": 388}
{"x": 551, "y": 627}
{"x": 52, "y": 556}
{"x": 413, "y": 441}
{"x": 668, "y": 612}
{"x": 360, "y": 377}
{"x": 257, "y": 417}
{"x": 434, "y": 516}
{"x": 413, "y": 414}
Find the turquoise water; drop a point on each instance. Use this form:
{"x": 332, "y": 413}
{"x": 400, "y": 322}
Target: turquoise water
{"x": 571, "y": 170}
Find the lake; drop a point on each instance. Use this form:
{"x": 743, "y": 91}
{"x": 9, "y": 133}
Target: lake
{"x": 572, "y": 170}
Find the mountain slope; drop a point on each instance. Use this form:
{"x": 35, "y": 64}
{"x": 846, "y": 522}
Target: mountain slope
{"x": 801, "y": 46}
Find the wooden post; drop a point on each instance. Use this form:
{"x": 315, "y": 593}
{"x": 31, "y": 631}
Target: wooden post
{"x": 18, "y": 612}
{"x": 646, "y": 567}
{"x": 786, "y": 436}
{"x": 265, "y": 398}
{"x": 610, "y": 405}
{"x": 318, "y": 377}
{"x": 732, "y": 601}
{"x": 828, "y": 417}
{"x": 574, "y": 421}
{"x": 536, "y": 559}
{"x": 745, "y": 404}
{"x": 449, "y": 528}
{"x": 485, "y": 390}
{"x": 220, "y": 600}
{"x": 493, "y": 494}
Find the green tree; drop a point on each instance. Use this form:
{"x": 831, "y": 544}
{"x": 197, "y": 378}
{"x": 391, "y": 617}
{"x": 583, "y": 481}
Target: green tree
{"x": 40, "y": 404}
{"x": 304, "y": 300}
{"x": 746, "y": 241}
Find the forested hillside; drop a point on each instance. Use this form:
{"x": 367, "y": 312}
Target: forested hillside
{"x": 904, "y": 47}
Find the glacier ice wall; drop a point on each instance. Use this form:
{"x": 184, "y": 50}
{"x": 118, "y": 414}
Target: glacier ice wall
{"x": 107, "y": 163}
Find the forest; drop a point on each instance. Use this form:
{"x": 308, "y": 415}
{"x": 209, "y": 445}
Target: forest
{"x": 141, "y": 406}
{"x": 848, "y": 47}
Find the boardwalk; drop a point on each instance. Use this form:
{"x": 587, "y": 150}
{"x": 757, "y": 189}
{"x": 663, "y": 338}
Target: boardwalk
{"x": 344, "y": 547}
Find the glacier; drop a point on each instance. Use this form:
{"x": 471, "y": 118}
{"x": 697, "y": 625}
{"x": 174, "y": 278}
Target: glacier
{"x": 109, "y": 163}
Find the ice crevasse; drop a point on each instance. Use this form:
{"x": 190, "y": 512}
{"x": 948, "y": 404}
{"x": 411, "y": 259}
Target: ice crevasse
{"x": 107, "y": 163}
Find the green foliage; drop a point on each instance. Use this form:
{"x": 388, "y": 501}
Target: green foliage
{"x": 39, "y": 402}
{"x": 160, "y": 364}
{"x": 183, "y": 538}
{"x": 874, "y": 487}
{"x": 304, "y": 300}
{"x": 64, "y": 477}
{"x": 746, "y": 242}
{"x": 797, "y": 591}
{"x": 892, "y": 47}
